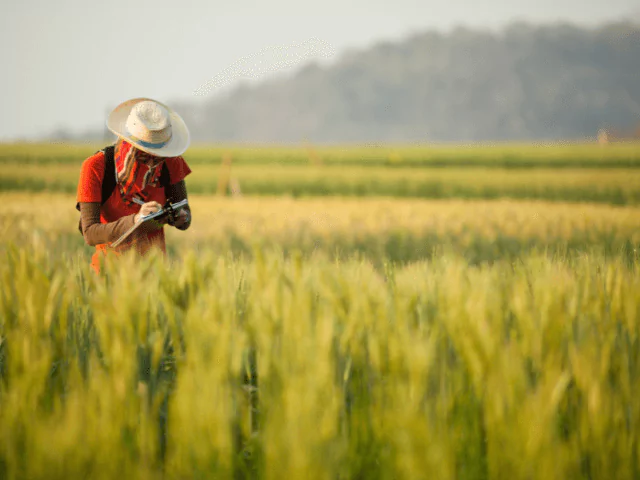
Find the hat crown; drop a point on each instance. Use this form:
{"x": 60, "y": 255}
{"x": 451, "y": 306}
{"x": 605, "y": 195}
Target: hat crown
{"x": 150, "y": 122}
{"x": 150, "y": 126}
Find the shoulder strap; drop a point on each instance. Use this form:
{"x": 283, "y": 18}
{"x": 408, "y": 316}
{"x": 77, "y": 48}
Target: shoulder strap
{"x": 109, "y": 178}
{"x": 165, "y": 178}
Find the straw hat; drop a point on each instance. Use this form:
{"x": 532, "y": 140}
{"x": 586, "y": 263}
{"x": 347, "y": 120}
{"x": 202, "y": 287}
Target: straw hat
{"x": 150, "y": 126}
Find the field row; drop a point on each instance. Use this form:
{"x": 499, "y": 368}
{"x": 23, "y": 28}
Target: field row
{"x": 615, "y": 186}
{"x": 623, "y": 155}
{"x": 395, "y": 229}
{"x": 300, "y": 368}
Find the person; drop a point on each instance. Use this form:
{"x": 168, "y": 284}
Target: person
{"x": 148, "y": 168}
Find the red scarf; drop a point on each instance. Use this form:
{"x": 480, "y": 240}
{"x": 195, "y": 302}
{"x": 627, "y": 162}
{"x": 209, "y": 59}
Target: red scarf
{"x": 135, "y": 171}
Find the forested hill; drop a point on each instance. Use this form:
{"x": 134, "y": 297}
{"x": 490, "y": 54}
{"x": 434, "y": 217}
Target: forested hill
{"x": 523, "y": 83}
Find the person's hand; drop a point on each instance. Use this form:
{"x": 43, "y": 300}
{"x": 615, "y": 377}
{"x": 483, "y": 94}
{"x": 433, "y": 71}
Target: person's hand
{"x": 182, "y": 218}
{"x": 146, "y": 209}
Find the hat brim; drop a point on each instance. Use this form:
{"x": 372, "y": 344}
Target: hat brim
{"x": 177, "y": 144}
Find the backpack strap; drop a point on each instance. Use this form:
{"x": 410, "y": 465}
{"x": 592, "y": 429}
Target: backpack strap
{"x": 165, "y": 178}
{"x": 109, "y": 177}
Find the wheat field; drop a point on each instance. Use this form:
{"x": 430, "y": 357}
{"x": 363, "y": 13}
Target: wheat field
{"x": 329, "y": 337}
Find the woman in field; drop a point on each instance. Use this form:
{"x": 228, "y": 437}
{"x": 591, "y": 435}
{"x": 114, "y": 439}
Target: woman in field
{"x": 134, "y": 178}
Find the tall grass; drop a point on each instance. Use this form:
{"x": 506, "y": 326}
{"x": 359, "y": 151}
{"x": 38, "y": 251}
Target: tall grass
{"x": 213, "y": 367}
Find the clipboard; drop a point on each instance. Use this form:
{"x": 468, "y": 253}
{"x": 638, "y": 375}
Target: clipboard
{"x": 167, "y": 210}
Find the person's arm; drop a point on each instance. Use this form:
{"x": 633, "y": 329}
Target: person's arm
{"x": 95, "y": 232}
{"x": 176, "y": 193}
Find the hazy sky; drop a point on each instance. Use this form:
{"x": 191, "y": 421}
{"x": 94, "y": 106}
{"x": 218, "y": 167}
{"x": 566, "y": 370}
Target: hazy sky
{"x": 65, "y": 63}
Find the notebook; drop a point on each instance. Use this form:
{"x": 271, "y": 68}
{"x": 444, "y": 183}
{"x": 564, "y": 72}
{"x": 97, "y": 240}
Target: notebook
{"x": 168, "y": 209}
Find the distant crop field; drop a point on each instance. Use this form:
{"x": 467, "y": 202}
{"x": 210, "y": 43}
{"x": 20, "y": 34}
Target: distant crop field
{"x": 333, "y": 321}
{"x": 579, "y": 173}
{"x": 589, "y": 155}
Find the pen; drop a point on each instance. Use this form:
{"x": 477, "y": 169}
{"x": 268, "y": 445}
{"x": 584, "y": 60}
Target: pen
{"x": 138, "y": 201}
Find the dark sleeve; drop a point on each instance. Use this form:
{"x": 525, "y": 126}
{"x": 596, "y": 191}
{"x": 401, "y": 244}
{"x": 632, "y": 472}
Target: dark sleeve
{"x": 176, "y": 193}
{"x": 95, "y": 232}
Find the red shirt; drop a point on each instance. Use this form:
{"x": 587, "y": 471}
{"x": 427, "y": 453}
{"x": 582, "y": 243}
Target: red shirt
{"x": 90, "y": 190}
